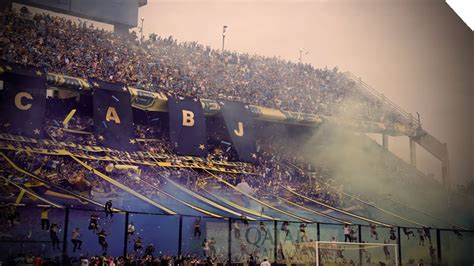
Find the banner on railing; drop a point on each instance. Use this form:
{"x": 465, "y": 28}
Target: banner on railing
{"x": 113, "y": 116}
{"x": 119, "y": 159}
{"x": 240, "y": 126}
{"x": 187, "y": 126}
{"x": 22, "y": 99}
{"x": 97, "y": 149}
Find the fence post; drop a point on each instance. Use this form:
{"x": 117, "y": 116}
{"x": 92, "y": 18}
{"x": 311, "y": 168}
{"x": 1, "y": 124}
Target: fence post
{"x": 399, "y": 242}
{"x": 275, "y": 247}
{"x": 318, "y": 238}
{"x": 318, "y": 229}
{"x": 180, "y": 236}
{"x": 66, "y": 229}
{"x": 359, "y": 235}
{"x": 438, "y": 244}
{"x": 125, "y": 239}
{"x": 229, "y": 243}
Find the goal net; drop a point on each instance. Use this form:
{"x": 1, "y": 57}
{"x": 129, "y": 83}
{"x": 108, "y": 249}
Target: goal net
{"x": 347, "y": 253}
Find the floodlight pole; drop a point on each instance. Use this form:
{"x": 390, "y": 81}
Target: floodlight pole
{"x": 223, "y": 36}
{"x": 300, "y": 59}
{"x": 141, "y": 30}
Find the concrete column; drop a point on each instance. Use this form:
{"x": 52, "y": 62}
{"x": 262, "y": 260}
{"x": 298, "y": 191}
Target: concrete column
{"x": 412, "y": 152}
{"x": 445, "y": 171}
{"x": 385, "y": 141}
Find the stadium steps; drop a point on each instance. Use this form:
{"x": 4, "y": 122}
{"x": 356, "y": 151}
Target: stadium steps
{"x": 142, "y": 198}
{"x": 323, "y": 214}
{"x": 390, "y": 175}
{"x": 405, "y": 216}
{"x": 206, "y": 201}
{"x": 51, "y": 190}
{"x": 238, "y": 207}
{"x": 419, "y": 135}
{"x": 235, "y": 199}
{"x": 194, "y": 207}
{"x": 429, "y": 192}
{"x": 337, "y": 209}
{"x": 285, "y": 213}
{"x": 30, "y": 193}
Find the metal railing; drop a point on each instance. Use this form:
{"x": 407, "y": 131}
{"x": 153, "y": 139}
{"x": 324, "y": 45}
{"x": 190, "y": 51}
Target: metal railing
{"x": 176, "y": 235}
{"x": 407, "y": 117}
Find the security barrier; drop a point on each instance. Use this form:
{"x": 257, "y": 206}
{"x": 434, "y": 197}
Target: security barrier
{"x": 66, "y": 234}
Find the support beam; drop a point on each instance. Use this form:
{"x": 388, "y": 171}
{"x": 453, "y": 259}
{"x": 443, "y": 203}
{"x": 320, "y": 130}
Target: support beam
{"x": 399, "y": 245}
{"x": 412, "y": 152}
{"x": 359, "y": 231}
{"x": 385, "y": 141}
{"x": 229, "y": 242}
{"x": 445, "y": 172}
{"x": 438, "y": 245}
{"x": 437, "y": 149}
{"x": 66, "y": 230}
{"x": 318, "y": 227}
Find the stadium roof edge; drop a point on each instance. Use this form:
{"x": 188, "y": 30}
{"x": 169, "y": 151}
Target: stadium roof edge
{"x": 140, "y": 3}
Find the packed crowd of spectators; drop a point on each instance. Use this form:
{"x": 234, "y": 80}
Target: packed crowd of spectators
{"x": 28, "y": 259}
{"x": 164, "y": 65}
{"x": 279, "y": 164}
{"x": 189, "y": 69}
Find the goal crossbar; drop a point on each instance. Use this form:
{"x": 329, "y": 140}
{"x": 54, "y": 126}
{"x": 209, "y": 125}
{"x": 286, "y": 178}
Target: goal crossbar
{"x": 333, "y": 245}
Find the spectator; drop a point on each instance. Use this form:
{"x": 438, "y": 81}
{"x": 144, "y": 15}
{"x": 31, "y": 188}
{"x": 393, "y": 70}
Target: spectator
{"x": 45, "y": 219}
{"x": 75, "y": 239}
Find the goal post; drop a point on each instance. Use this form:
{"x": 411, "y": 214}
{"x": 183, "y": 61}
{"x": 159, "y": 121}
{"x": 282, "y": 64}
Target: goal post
{"x": 349, "y": 253}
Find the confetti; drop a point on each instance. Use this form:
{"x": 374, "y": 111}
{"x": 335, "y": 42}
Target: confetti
{"x": 226, "y": 143}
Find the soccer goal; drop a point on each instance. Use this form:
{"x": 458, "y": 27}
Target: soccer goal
{"x": 347, "y": 253}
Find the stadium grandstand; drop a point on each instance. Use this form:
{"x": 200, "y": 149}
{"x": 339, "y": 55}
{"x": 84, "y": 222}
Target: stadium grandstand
{"x": 116, "y": 150}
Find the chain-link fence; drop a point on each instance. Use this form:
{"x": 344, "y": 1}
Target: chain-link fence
{"x": 65, "y": 235}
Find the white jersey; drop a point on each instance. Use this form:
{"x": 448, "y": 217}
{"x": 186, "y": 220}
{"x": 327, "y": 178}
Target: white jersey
{"x": 347, "y": 231}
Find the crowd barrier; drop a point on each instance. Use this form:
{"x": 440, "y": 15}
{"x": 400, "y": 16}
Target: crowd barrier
{"x": 23, "y": 232}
